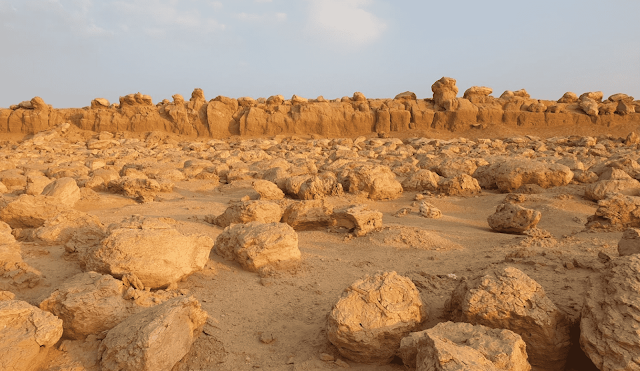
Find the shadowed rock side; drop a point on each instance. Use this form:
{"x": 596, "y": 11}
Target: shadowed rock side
{"x": 223, "y": 117}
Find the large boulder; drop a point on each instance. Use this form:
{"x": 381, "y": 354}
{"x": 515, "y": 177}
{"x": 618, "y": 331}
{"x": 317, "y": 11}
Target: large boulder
{"x": 64, "y": 191}
{"x": 373, "y": 315}
{"x": 320, "y": 186}
{"x": 629, "y": 244}
{"x": 308, "y": 215}
{"x": 422, "y": 180}
{"x": 616, "y": 212}
{"x": 69, "y": 223}
{"x": 377, "y": 182}
{"x": 509, "y": 299}
{"x": 255, "y": 245}
{"x": 610, "y": 322}
{"x": 154, "y": 339}
{"x": 461, "y": 185}
{"x": 89, "y": 303}
{"x": 26, "y": 335}
{"x": 248, "y": 211}
{"x": 358, "y": 219}
{"x": 146, "y": 247}
{"x": 512, "y": 218}
{"x": 14, "y": 272}
{"x": 612, "y": 181}
{"x": 267, "y": 190}
{"x": 463, "y": 346}
{"x": 31, "y": 211}
{"x": 511, "y": 175}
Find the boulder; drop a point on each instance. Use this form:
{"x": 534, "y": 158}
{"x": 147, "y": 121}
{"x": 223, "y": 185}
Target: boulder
{"x": 63, "y": 190}
{"x": 89, "y": 303}
{"x": 444, "y": 94}
{"x": 358, "y": 219}
{"x": 146, "y": 247}
{"x": 422, "y": 180}
{"x": 478, "y": 94}
{"x": 36, "y": 184}
{"x": 255, "y": 245}
{"x": 511, "y": 175}
{"x": 629, "y": 244}
{"x": 508, "y": 299}
{"x": 512, "y": 218}
{"x": 26, "y": 335}
{"x": 378, "y": 182}
{"x": 568, "y": 97}
{"x": 308, "y": 215}
{"x": 7, "y": 295}
{"x": 69, "y": 223}
{"x": 143, "y": 190}
{"x": 461, "y": 185}
{"x": 589, "y": 106}
{"x": 616, "y": 212}
{"x": 373, "y": 315}
{"x": 154, "y": 339}
{"x": 463, "y": 346}
{"x": 267, "y": 190}
{"x": 14, "y": 272}
{"x": 610, "y": 318}
{"x": 612, "y": 181}
{"x": 320, "y": 186}
{"x": 429, "y": 211}
{"x": 31, "y": 211}
{"x": 248, "y": 211}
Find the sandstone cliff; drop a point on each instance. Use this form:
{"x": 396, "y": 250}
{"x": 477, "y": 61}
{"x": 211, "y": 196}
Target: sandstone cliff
{"x": 222, "y": 117}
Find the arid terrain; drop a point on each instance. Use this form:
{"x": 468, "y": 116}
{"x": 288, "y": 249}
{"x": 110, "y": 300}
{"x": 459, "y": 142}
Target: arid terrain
{"x": 268, "y": 226}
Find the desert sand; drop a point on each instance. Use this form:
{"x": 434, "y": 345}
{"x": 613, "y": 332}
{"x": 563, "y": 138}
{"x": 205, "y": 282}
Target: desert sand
{"x": 230, "y": 229}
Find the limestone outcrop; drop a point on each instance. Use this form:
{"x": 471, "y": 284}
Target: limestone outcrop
{"x": 222, "y": 117}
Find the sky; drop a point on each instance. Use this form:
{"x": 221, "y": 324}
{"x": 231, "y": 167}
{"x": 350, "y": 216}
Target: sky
{"x": 71, "y": 51}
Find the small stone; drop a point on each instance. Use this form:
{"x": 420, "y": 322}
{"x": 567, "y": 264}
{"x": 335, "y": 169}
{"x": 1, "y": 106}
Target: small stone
{"x": 341, "y": 363}
{"x": 267, "y": 338}
{"x": 326, "y": 357}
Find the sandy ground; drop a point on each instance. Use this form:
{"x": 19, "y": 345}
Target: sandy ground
{"x": 292, "y": 306}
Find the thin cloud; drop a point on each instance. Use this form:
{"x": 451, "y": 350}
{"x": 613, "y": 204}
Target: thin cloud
{"x": 252, "y": 17}
{"x": 344, "y": 22}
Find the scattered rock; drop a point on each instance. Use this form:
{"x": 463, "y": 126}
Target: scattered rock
{"x": 255, "y": 245}
{"x": 509, "y": 299}
{"x": 26, "y": 335}
{"x": 512, "y": 218}
{"x": 616, "y": 212}
{"x": 358, "y": 219}
{"x": 612, "y": 181}
{"x": 376, "y": 181}
{"x": 154, "y": 339}
{"x": 422, "y": 180}
{"x": 373, "y": 315}
{"x": 31, "y": 211}
{"x": 319, "y": 186}
{"x": 630, "y": 242}
{"x": 461, "y": 185}
{"x": 308, "y": 215}
{"x": 63, "y": 190}
{"x": 610, "y": 316}
{"x": 429, "y": 211}
{"x": 248, "y": 211}
{"x": 146, "y": 247}
{"x": 462, "y": 346}
{"x": 267, "y": 190}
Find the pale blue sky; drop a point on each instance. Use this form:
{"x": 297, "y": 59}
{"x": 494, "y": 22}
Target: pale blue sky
{"x": 71, "y": 51}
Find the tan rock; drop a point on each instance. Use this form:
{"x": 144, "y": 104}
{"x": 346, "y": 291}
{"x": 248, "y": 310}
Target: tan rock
{"x": 64, "y": 191}
{"x": 320, "y": 186}
{"x": 267, "y": 190}
{"x": 509, "y": 299}
{"x": 589, "y": 106}
{"x": 511, "y": 218}
{"x": 629, "y": 244}
{"x": 373, "y": 315}
{"x": 568, "y": 97}
{"x": 610, "y": 316}
{"x": 36, "y": 184}
{"x": 378, "y": 182}
{"x": 358, "y": 219}
{"x": 613, "y": 181}
{"x": 7, "y": 295}
{"x": 422, "y": 180}
{"x": 26, "y": 335}
{"x": 406, "y": 95}
{"x": 99, "y": 103}
{"x": 308, "y": 215}
{"x": 155, "y": 339}
{"x": 31, "y": 211}
{"x": 444, "y": 94}
{"x": 14, "y": 272}
{"x": 255, "y": 245}
{"x": 594, "y": 95}
{"x": 143, "y": 190}
{"x": 89, "y": 303}
{"x": 462, "y": 346}
{"x": 461, "y": 185}
{"x": 511, "y": 175}
{"x": 65, "y": 225}
{"x": 249, "y": 211}
{"x": 616, "y": 212}
{"x": 146, "y": 247}
{"x": 429, "y": 211}
{"x": 293, "y": 183}
{"x": 478, "y": 94}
